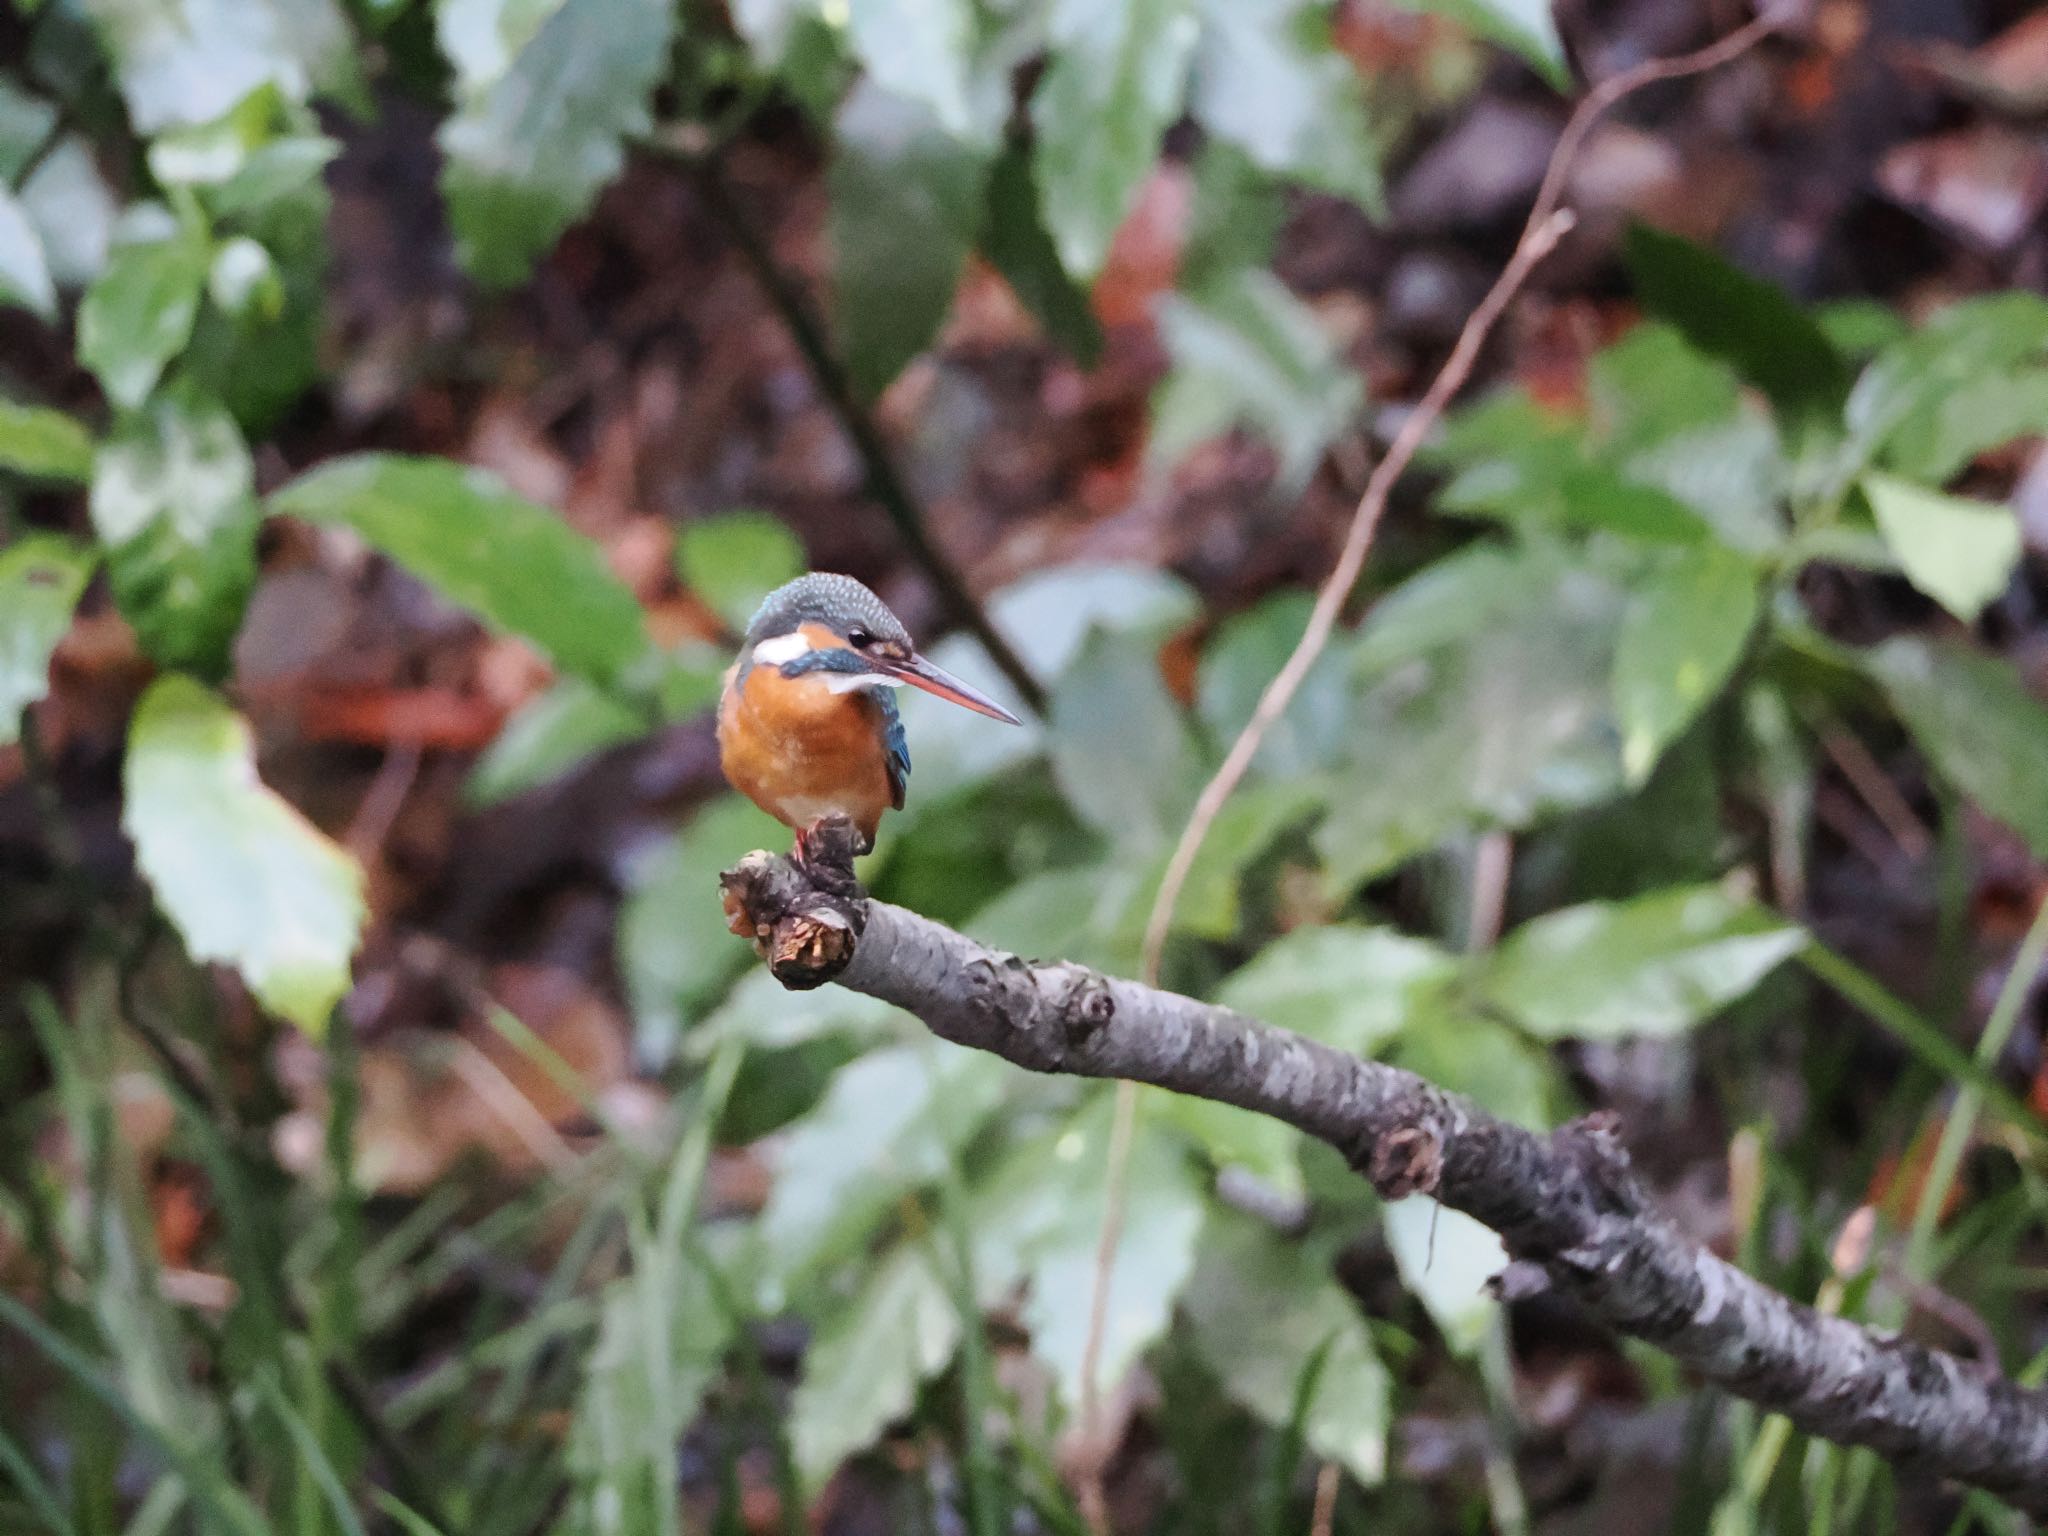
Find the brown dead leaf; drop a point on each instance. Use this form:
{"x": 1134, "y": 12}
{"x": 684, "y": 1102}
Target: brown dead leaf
{"x": 1987, "y": 184}
{"x": 433, "y": 719}
{"x": 1144, "y": 258}
{"x": 2009, "y": 74}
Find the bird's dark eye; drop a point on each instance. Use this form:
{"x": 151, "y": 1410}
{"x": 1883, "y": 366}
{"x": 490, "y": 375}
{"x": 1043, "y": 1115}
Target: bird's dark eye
{"x": 859, "y": 639}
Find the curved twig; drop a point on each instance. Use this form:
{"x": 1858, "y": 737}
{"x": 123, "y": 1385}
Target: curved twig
{"x": 1567, "y": 1204}
{"x": 1547, "y": 224}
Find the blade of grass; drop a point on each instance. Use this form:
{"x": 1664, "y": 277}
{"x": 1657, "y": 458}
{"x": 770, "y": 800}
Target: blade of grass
{"x": 1960, "y": 1129}
{"x": 1899, "y": 1019}
{"x": 559, "y": 1302}
{"x": 1288, "y": 1445}
{"x": 987, "y": 1496}
{"x": 413, "y": 1523}
{"x": 508, "y": 1349}
{"x": 227, "y": 1502}
{"x": 685, "y": 1183}
{"x": 164, "y": 1503}
{"x": 33, "y": 1488}
{"x": 313, "y": 1454}
{"x": 515, "y": 1032}
{"x": 332, "y": 1333}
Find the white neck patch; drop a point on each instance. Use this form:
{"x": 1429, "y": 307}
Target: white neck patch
{"x": 783, "y": 649}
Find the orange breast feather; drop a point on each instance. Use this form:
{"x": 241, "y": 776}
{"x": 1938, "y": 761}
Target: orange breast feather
{"x": 802, "y": 752}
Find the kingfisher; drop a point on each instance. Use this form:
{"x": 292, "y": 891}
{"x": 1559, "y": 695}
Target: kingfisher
{"x": 807, "y": 725}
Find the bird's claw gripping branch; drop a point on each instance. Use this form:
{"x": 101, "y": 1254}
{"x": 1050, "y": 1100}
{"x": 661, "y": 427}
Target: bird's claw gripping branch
{"x": 803, "y": 916}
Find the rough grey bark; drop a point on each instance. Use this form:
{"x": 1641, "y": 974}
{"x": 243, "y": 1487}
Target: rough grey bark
{"x": 1567, "y": 1202}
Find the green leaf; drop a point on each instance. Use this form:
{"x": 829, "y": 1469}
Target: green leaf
{"x": 564, "y": 726}
{"x": 906, "y": 198}
{"x": 526, "y": 155}
{"x": 674, "y": 953}
{"x": 139, "y": 314}
{"x": 1248, "y": 650}
{"x": 484, "y": 38}
{"x": 73, "y": 210}
{"x": 1236, "y": 218}
{"x": 1960, "y": 552}
{"x": 1256, "y": 817}
{"x": 1445, "y": 1259}
{"x": 1267, "y": 79}
{"x": 1860, "y": 327}
{"x": 863, "y": 1368}
{"x": 1641, "y": 473}
{"x": 245, "y": 879}
{"x": 257, "y": 347}
{"x": 1038, "y": 1219}
{"x": 1014, "y": 239}
{"x": 1246, "y": 352}
{"x": 1725, "y": 312}
{"x": 515, "y": 565}
{"x": 767, "y": 1016}
{"x": 1122, "y": 751}
{"x": 172, "y": 499}
{"x": 1264, "y": 1315}
{"x": 1049, "y": 914}
{"x": 1050, "y": 614}
{"x": 1978, "y": 724}
{"x": 1352, "y": 987}
{"x": 191, "y": 61}
{"x": 44, "y": 443}
{"x": 1667, "y": 415}
{"x": 918, "y": 51}
{"x": 243, "y": 280}
{"x": 1651, "y": 966}
{"x": 1527, "y": 26}
{"x": 1268, "y": 1150}
{"x": 889, "y": 1124}
{"x": 770, "y": 26}
{"x": 1488, "y": 702}
{"x": 211, "y": 153}
{"x": 24, "y": 270}
{"x": 284, "y": 171}
{"x": 1684, "y": 631}
{"x": 1983, "y": 412}
{"x": 41, "y": 579}
{"x": 1114, "y": 86}
{"x": 734, "y": 561}
{"x": 26, "y": 122}
{"x": 1909, "y": 392}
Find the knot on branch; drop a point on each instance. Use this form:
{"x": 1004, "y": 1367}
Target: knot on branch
{"x": 1087, "y": 1007}
{"x": 1408, "y": 1160}
{"x": 803, "y": 915}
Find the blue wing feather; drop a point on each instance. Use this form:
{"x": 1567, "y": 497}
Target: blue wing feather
{"x": 898, "y": 745}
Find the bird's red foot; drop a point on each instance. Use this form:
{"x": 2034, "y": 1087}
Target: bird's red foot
{"x": 826, "y": 849}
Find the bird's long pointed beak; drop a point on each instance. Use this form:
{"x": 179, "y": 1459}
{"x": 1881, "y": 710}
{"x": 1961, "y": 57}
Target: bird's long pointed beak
{"x": 920, "y": 673}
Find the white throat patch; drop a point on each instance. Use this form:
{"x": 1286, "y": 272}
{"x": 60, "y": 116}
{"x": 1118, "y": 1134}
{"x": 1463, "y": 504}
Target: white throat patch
{"x": 848, "y": 682}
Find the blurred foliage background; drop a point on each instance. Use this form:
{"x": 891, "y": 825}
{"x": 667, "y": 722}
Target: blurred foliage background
{"x": 403, "y": 405}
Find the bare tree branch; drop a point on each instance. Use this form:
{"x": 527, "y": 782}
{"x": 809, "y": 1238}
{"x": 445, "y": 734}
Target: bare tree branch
{"x": 1567, "y": 1202}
